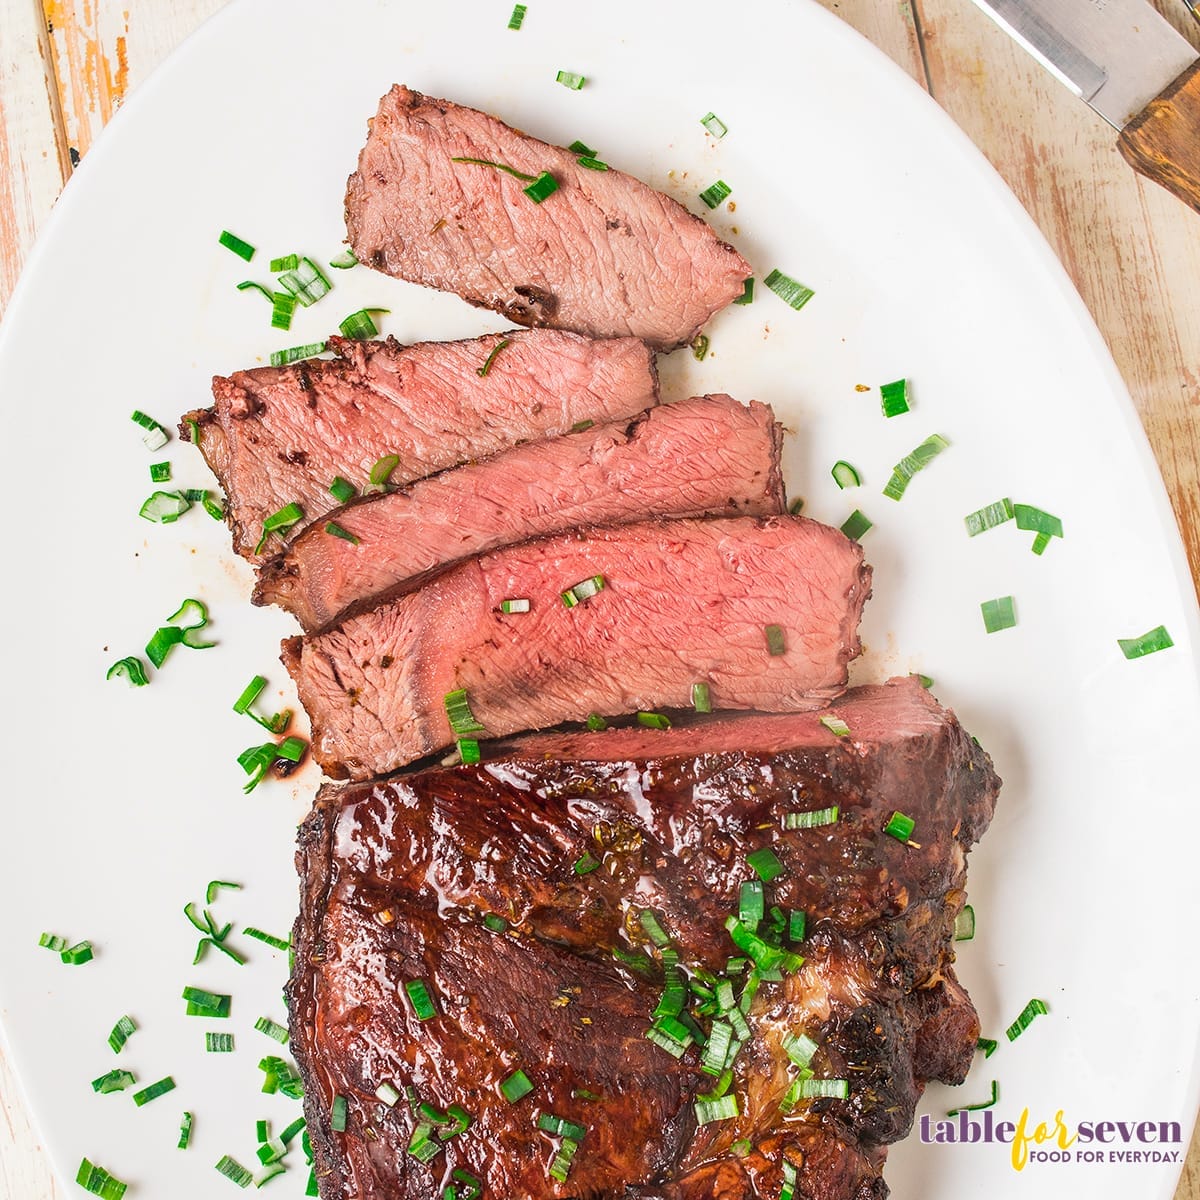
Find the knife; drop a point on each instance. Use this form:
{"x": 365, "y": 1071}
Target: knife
{"x": 1130, "y": 65}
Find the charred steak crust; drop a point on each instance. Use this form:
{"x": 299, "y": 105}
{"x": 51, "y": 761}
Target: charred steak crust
{"x": 708, "y": 456}
{"x": 605, "y": 255}
{"x": 398, "y": 877}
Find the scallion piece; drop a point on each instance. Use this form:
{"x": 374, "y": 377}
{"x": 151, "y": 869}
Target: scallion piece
{"x": 560, "y": 1127}
{"x": 811, "y": 819}
{"x": 596, "y": 723}
{"x": 234, "y": 1171}
{"x": 458, "y": 713}
{"x": 648, "y": 920}
{"x": 468, "y": 751}
{"x": 421, "y": 1146}
{"x": 1035, "y": 1008}
{"x": 987, "y": 1045}
{"x": 824, "y": 1089}
{"x": 516, "y": 1086}
{"x": 723, "y": 1109}
{"x": 307, "y": 282}
{"x": 518, "y": 16}
{"x": 333, "y": 528}
{"x": 283, "y": 305}
{"x": 472, "y": 1188}
{"x": 747, "y": 296}
{"x": 844, "y": 475}
{"x": 751, "y": 902}
{"x": 289, "y": 262}
{"x": 130, "y": 669}
{"x": 893, "y": 397}
{"x": 560, "y": 1168}
{"x": 281, "y": 358}
{"x": 797, "y": 922}
{"x": 387, "y": 1094}
{"x": 114, "y": 1081}
{"x": 592, "y": 164}
{"x": 99, "y": 1182}
{"x": 701, "y": 698}
{"x": 788, "y": 1189}
{"x": 714, "y": 125}
{"x": 491, "y": 358}
{"x": 421, "y": 1000}
{"x": 277, "y": 942}
{"x": 78, "y": 954}
{"x": 164, "y": 508}
{"x": 964, "y": 924}
{"x": 585, "y": 864}
{"x": 360, "y": 325}
{"x": 900, "y": 826}
{"x": 345, "y": 260}
{"x": 989, "y": 517}
{"x": 342, "y": 490}
{"x": 291, "y": 749}
{"x": 1149, "y": 643}
{"x": 155, "y": 436}
{"x": 250, "y": 285}
{"x": 160, "y": 472}
{"x": 995, "y": 1096}
{"x": 495, "y": 923}
{"x": 911, "y": 463}
{"x": 856, "y": 524}
{"x": 185, "y": 1131}
{"x": 154, "y": 1091}
{"x": 202, "y": 1003}
{"x": 799, "y": 1047}
{"x": 765, "y": 864}
{"x": 789, "y": 290}
{"x": 715, "y": 193}
{"x": 231, "y": 241}
{"x": 499, "y": 166}
{"x": 582, "y": 149}
{"x": 218, "y": 1043}
{"x": 273, "y": 1030}
{"x": 120, "y": 1033}
{"x": 836, "y": 726}
{"x": 700, "y": 347}
{"x": 517, "y": 604}
{"x": 585, "y": 589}
{"x": 1037, "y": 521}
{"x": 280, "y": 521}
{"x": 544, "y": 185}
{"x": 653, "y": 720}
{"x": 570, "y": 79}
{"x": 51, "y": 941}
{"x": 998, "y": 614}
{"x": 776, "y": 645}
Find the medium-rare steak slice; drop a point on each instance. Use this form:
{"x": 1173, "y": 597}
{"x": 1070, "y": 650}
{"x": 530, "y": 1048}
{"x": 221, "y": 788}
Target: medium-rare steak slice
{"x": 281, "y": 435}
{"x": 557, "y": 910}
{"x": 764, "y": 611}
{"x": 604, "y": 254}
{"x": 705, "y": 457}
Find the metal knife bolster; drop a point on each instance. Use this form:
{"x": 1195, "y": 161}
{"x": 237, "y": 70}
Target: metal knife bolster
{"x": 1117, "y": 55}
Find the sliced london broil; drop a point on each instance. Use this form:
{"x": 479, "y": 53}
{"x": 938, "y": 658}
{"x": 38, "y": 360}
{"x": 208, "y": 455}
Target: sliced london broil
{"x": 710, "y": 456}
{"x": 278, "y": 436}
{"x": 603, "y": 254}
{"x": 763, "y": 612}
{"x": 541, "y": 919}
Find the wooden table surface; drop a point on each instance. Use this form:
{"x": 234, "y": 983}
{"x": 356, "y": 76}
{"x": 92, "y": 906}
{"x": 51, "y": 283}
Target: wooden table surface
{"x": 1132, "y": 250}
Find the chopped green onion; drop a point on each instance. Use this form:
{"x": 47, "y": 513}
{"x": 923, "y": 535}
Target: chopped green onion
{"x": 232, "y": 242}
{"x": 234, "y": 1171}
{"x": 114, "y": 1081}
{"x": 274, "y": 724}
{"x": 130, "y": 669}
{"x": 269, "y": 1172}
{"x": 582, "y": 149}
{"x": 799, "y": 1047}
{"x": 154, "y": 1091}
{"x": 585, "y": 864}
{"x": 342, "y": 490}
{"x": 360, "y": 325}
{"x": 291, "y": 749}
{"x": 669, "y": 1035}
{"x": 796, "y": 507}
{"x": 751, "y": 902}
{"x": 164, "y": 508}
{"x": 155, "y": 435}
{"x": 824, "y": 1089}
{"x": 468, "y": 751}
{"x": 499, "y": 166}
{"x": 51, "y": 941}
{"x": 387, "y": 1094}
{"x": 964, "y": 924}
{"x": 206, "y": 1004}
{"x": 765, "y": 864}
{"x": 491, "y": 358}
{"x": 788, "y": 1190}
{"x": 279, "y": 521}
{"x": 99, "y": 1182}
{"x": 998, "y": 614}
{"x": 592, "y": 164}
{"x": 649, "y": 922}
{"x": 120, "y": 1033}
{"x": 844, "y": 474}
{"x": 312, "y": 1188}
{"x": 836, "y": 726}
{"x": 472, "y": 1189}
{"x": 344, "y": 261}
{"x": 653, "y": 720}
{"x": 544, "y": 185}
{"x": 458, "y": 713}
{"x": 516, "y": 1086}
{"x": 722, "y": 1109}
{"x": 900, "y": 826}
{"x": 518, "y": 16}
{"x": 570, "y": 80}
{"x": 1149, "y": 643}
{"x": 1033, "y": 1009}
{"x": 496, "y": 924}
{"x": 281, "y": 358}
{"x": 307, "y": 283}
{"x": 715, "y": 193}
{"x": 989, "y": 517}
{"x": 185, "y": 1131}
{"x": 811, "y": 819}
{"x": 332, "y": 527}
{"x": 218, "y": 1043}
{"x": 78, "y": 954}
{"x": 987, "y": 1045}
{"x": 714, "y": 125}
{"x": 893, "y": 397}
{"x": 910, "y": 464}
{"x": 278, "y": 942}
{"x": 855, "y": 525}
{"x": 337, "y": 1114}
{"x": 716, "y": 1055}
{"x": 700, "y": 347}
{"x": 289, "y": 262}
{"x": 160, "y": 472}
{"x": 797, "y": 921}
{"x": 1040, "y": 543}
{"x": 789, "y": 290}
{"x": 560, "y": 1168}
{"x": 926, "y": 681}
{"x": 283, "y": 305}
{"x": 421, "y": 1146}
{"x": 701, "y": 698}
{"x": 596, "y": 723}
{"x": 248, "y": 284}
{"x": 272, "y": 1030}
{"x": 775, "y": 640}
{"x": 747, "y": 296}
{"x": 1037, "y": 521}
{"x": 981, "y": 1105}
{"x": 585, "y": 589}
{"x": 582, "y": 426}
{"x": 517, "y": 604}
{"x": 422, "y": 1002}
{"x": 560, "y": 1127}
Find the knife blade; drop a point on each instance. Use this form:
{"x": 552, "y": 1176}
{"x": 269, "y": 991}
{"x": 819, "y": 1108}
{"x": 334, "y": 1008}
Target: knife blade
{"x": 1131, "y": 66}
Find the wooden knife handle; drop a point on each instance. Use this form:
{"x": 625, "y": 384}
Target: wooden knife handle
{"x": 1163, "y": 140}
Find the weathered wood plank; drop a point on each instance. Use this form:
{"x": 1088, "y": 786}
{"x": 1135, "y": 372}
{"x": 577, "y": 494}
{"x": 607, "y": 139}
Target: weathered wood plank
{"x": 889, "y": 24}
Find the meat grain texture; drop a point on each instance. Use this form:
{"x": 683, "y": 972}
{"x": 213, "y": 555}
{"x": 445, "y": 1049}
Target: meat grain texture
{"x": 604, "y": 255}
{"x": 465, "y": 878}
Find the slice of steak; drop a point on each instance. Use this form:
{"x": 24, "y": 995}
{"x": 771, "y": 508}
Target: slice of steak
{"x": 709, "y": 456}
{"x": 764, "y": 611}
{"x": 281, "y": 435}
{"x": 516, "y": 891}
{"x": 604, "y": 254}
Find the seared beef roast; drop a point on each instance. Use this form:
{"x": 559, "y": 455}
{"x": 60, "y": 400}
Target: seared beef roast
{"x": 764, "y": 611}
{"x": 542, "y": 914}
{"x": 604, "y": 254}
{"x": 281, "y": 435}
{"x": 705, "y": 457}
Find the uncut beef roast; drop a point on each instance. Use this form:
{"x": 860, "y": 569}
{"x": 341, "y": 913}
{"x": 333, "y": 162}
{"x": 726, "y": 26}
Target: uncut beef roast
{"x": 709, "y": 456}
{"x": 763, "y": 611}
{"x": 281, "y": 435}
{"x": 688, "y": 964}
{"x": 603, "y": 254}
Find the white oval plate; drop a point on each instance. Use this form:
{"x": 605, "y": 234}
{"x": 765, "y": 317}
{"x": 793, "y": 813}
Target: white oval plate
{"x": 123, "y": 803}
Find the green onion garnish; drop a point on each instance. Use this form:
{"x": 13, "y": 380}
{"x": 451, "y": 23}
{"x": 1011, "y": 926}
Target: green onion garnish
{"x": 114, "y": 1081}
{"x": 51, "y": 941}
{"x": 421, "y": 1146}
{"x": 788, "y": 1189}
{"x": 900, "y": 826}
{"x": 337, "y": 1114}
{"x": 560, "y": 1127}
{"x": 234, "y": 1171}
{"x": 723, "y": 1109}
{"x": 765, "y": 864}
{"x": 518, "y": 15}
{"x": 278, "y": 942}
{"x": 120, "y": 1033}
{"x": 799, "y": 1047}
{"x": 811, "y": 819}
{"x": 821, "y": 1089}
{"x": 289, "y": 262}
{"x": 747, "y": 296}
{"x": 544, "y": 185}
{"x": 714, "y": 125}
{"x": 78, "y": 954}
{"x": 911, "y": 463}
{"x": 592, "y": 164}
{"x": 715, "y": 193}
{"x": 964, "y": 924}
{"x": 560, "y": 1168}
{"x": 281, "y": 358}
{"x": 981, "y": 1105}
{"x": 517, "y": 604}
{"x": 491, "y": 358}
{"x": 796, "y": 507}
{"x": 701, "y": 698}
{"x": 797, "y": 921}
{"x": 844, "y": 474}
{"x": 582, "y": 149}
{"x": 360, "y": 325}
{"x": 596, "y": 723}
{"x": 836, "y": 726}
{"x": 130, "y": 669}
{"x": 458, "y": 713}
{"x": 218, "y": 1043}
{"x": 249, "y": 284}
{"x": 307, "y": 283}
{"x": 332, "y": 527}
{"x": 99, "y": 1182}
{"x": 1033, "y": 1009}
{"x": 206, "y": 1004}
{"x": 185, "y": 1131}
{"x": 987, "y": 1045}
{"x": 585, "y": 864}
{"x": 160, "y": 472}
{"x": 790, "y": 290}
{"x": 516, "y": 1086}
{"x": 164, "y": 508}
{"x": 272, "y": 1030}
{"x": 1037, "y": 521}
{"x": 496, "y": 924}
{"x": 468, "y": 751}
{"x": 571, "y": 80}
{"x": 154, "y": 1091}
{"x": 1157, "y": 639}
{"x": 275, "y": 724}
{"x": 700, "y": 347}
{"x": 989, "y": 517}
{"x": 278, "y": 522}
{"x": 499, "y": 166}
{"x": 344, "y": 261}
{"x": 653, "y": 720}
{"x": 654, "y": 931}
{"x": 342, "y": 490}
{"x": 283, "y": 305}
{"x": 155, "y": 435}
{"x": 751, "y": 902}
{"x": 387, "y": 1094}
{"x": 998, "y": 614}
{"x": 585, "y": 589}
{"x": 856, "y": 524}
{"x": 421, "y": 1000}
{"x": 893, "y": 397}
{"x": 232, "y": 242}
{"x": 775, "y": 640}
{"x": 471, "y": 1189}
